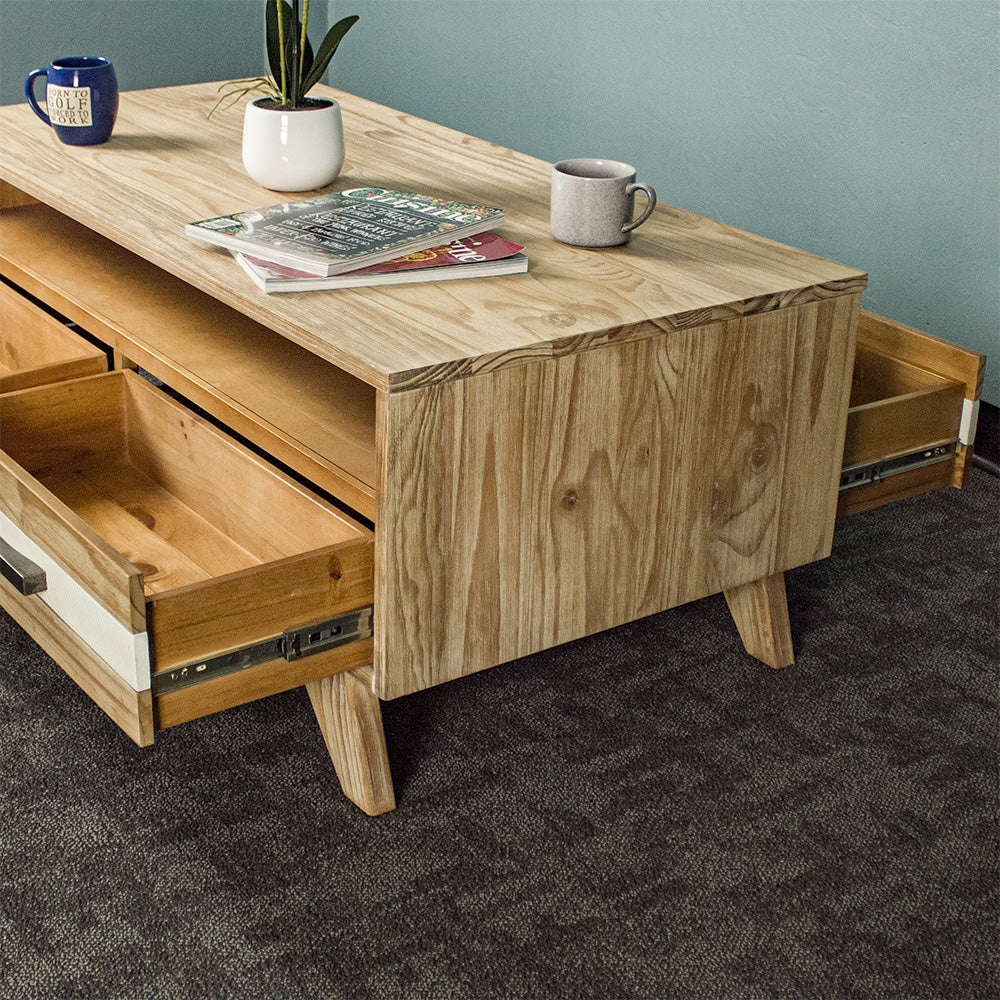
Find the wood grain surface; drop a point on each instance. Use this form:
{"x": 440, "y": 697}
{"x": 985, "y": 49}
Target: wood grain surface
{"x": 97, "y": 566}
{"x": 35, "y": 348}
{"x": 308, "y": 414}
{"x": 935, "y": 355}
{"x": 171, "y": 708}
{"x": 351, "y": 721}
{"x": 760, "y": 610}
{"x": 908, "y": 394}
{"x": 168, "y": 164}
{"x": 611, "y": 434}
{"x": 898, "y": 487}
{"x": 550, "y": 501}
{"x": 201, "y": 619}
{"x": 127, "y": 487}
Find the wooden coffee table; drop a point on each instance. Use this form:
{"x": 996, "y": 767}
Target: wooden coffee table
{"x": 521, "y": 461}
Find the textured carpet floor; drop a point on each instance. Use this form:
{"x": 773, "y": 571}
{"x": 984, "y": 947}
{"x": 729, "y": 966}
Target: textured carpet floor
{"x": 647, "y": 813}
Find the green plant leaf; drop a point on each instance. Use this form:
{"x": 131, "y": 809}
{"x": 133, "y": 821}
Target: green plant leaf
{"x": 272, "y": 36}
{"x": 236, "y": 89}
{"x": 305, "y": 68}
{"x": 279, "y": 57}
{"x": 325, "y": 52}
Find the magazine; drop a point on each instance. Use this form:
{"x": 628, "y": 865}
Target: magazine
{"x": 473, "y": 257}
{"x": 346, "y": 230}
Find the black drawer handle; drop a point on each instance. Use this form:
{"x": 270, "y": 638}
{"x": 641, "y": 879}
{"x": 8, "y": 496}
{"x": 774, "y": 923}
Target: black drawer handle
{"x": 21, "y": 571}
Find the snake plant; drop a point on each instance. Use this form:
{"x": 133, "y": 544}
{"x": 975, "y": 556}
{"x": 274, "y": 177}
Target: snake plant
{"x": 294, "y": 67}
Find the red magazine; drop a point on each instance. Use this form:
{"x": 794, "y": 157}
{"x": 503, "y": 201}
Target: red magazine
{"x": 472, "y": 257}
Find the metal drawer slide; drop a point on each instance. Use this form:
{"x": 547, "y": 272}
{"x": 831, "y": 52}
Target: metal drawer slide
{"x": 292, "y": 644}
{"x": 866, "y": 473}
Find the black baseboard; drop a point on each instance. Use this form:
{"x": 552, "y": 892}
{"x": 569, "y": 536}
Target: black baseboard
{"x": 987, "y": 446}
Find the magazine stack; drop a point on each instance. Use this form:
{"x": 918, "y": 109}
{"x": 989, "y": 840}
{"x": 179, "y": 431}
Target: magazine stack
{"x": 364, "y": 236}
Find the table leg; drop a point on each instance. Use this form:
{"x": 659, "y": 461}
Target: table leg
{"x": 760, "y": 610}
{"x": 350, "y": 719}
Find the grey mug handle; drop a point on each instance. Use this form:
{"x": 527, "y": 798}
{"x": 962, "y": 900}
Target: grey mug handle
{"x": 650, "y": 205}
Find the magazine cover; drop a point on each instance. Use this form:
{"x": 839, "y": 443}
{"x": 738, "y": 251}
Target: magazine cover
{"x": 472, "y": 257}
{"x": 346, "y": 230}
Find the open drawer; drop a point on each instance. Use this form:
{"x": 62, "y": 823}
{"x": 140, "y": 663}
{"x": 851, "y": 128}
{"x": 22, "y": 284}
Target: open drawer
{"x": 912, "y": 417}
{"x": 170, "y": 571}
{"x": 36, "y": 348}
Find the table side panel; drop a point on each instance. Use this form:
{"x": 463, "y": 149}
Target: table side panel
{"x": 534, "y": 505}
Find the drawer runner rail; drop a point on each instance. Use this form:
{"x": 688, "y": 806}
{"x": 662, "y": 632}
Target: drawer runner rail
{"x": 866, "y": 473}
{"x": 292, "y": 644}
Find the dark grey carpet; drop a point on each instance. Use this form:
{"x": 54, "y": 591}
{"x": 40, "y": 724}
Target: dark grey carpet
{"x": 648, "y": 813}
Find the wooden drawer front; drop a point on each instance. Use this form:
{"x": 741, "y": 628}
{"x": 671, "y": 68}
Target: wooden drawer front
{"x": 122, "y": 647}
{"x": 36, "y": 348}
{"x": 169, "y": 549}
{"x": 912, "y": 418}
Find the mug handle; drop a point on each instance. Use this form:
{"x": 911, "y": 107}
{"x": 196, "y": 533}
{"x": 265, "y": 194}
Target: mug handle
{"x": 29, "y": 92}
{"x": 650, "y": 205}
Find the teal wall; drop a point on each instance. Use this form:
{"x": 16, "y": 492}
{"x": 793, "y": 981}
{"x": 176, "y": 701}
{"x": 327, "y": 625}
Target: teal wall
{"x": 152, "y": 43}
{"x": 864, "y": 131}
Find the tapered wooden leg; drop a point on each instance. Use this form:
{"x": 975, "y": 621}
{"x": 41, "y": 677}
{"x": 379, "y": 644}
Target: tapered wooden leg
{"x": 760, "y": 610}
{"x": 350, "y": 719}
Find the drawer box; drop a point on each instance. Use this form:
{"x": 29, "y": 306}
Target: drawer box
{"x": 35, "y": 348}
{"x": 912, "y": 417}
{"x": 186, "y": 564}
{"x": 302, "y": 411}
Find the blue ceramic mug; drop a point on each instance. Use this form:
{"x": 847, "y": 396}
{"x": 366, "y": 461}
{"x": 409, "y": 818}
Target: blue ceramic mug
{"x": 81, "y": 97}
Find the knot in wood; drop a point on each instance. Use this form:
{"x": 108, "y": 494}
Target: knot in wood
{"x": 142, "y": 515}
{"x": 760, "y": 457}
{"x": 763, "y": 448}
{"x": 570, "y": 499}
{"x": 718, "y": 497}
{"x": 561, "y": 319}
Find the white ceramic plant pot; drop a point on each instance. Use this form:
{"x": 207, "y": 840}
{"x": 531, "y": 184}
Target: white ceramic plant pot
{"x": 296, "y": 150}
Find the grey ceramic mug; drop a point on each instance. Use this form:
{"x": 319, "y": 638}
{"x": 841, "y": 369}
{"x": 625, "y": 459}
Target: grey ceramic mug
{"x": 593, "y": 202}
